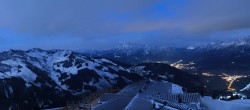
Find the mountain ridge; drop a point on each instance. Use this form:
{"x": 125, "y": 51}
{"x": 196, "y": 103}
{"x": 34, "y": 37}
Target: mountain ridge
{"x": 67, "y": 75}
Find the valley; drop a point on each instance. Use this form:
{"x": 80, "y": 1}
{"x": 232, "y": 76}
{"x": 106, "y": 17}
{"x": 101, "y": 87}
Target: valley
{"x": 71, "y": 75}
{"x": 230, "y": 80}
{"x": 222, "y": 65}
{"x": 67, "y": 75}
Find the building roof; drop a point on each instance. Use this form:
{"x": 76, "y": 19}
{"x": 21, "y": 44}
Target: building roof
{"x": 139, "y": 96}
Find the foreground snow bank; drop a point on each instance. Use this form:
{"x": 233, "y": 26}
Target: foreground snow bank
{"x": 225, "y": 105}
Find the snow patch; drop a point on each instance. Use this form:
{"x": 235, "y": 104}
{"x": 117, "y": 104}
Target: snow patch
{"x": 18, "y": 70}
{"x": 176, "y": 88}
{"x": 190, "y": 48}
{"x": 214, "y": 104}
{"x": 246, "y": 88}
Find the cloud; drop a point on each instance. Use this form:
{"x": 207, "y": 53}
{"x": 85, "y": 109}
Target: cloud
{"x": 106, "y": 21}
{"x": 86, "y": 17}
{"x": 217, "y": 15}
{"x": 77, "y": 17}
{"x": 202, "y": 17}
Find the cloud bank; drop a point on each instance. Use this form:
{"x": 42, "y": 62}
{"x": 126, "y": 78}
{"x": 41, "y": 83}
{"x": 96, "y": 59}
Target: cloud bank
{"x": 108, "y": 22}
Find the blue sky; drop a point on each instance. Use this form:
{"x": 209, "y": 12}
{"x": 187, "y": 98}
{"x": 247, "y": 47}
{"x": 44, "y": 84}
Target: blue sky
{"x": 102, "y": 24}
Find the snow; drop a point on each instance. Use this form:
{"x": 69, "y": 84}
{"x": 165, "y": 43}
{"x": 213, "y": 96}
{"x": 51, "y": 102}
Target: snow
{"x": 6, "y": 93}
{"x": 10, "y": 89}
{"x": 24, "y": 73}
{"x": 37, "y": 54}
{"x": 55, "y": 77}
{"x": 163, "y": 76}
{"x": 146, "y": 52}
{"x": 71, "y": 70}
{"x": 117, "y": 56}
{"x": 190, "y": 48}
{"x": 139, "y": 70}
{"x": 176, "y": 88}
{"x": 107, "y": 61}
{"x": 103, "y": 83}
{"x": 91, "y": 65}
{"x": 214, "y": 104}
{"x": 227, "y": 43}
{"x": 246, "y": 88}
{"x": 138, "y": 100}
{"x": 114, "y": 68}
{"x": 239, "y": 43}
{"x": 59, "y": 108}
{"x": 48, "y": 60}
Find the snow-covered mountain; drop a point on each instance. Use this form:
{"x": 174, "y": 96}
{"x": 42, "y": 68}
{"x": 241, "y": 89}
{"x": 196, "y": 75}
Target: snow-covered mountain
{"x": 230, "y": 57}
{"x": 247, "y": 88}
{"x": 225, "y": 44}
{"x": 233, "y": 55}
{"x": 45, "y": 78}
{"x": 57, "y": 74}
{"x": 138, "y": 53}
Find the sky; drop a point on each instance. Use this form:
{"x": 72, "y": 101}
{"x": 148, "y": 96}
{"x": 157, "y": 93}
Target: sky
{"x": 103, "y": 24}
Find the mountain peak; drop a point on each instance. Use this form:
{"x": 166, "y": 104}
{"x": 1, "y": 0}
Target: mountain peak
{"x": 232, "y": 43}
{"x": 36, "y": 50}
{"x": 190, "y": 48}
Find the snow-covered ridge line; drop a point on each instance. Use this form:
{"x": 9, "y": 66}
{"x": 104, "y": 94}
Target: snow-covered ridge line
{"x": 246, "y": 88}
{"x": 59, "y": 65}
{"x": 63, "y": 73}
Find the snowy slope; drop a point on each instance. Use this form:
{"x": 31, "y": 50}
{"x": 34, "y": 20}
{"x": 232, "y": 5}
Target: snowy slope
{"x": 225, "y": 105}
{"x": 246, "y": 88}
{"x": 221, "y": 55}
{"x": 176, "y": 88}
{"x": 47, "y": 78}
{"x": 61, "y": 72}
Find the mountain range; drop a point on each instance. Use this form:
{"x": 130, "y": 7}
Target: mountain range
{"x": 37, "y": 78}
{"x": 229, "y": 57}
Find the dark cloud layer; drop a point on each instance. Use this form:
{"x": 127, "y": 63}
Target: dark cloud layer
{"x": 103, "y": 22}
{"x": 76, "y": 17}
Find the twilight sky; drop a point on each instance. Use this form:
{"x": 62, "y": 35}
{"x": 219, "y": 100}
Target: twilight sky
{"x": 102, "y": 24}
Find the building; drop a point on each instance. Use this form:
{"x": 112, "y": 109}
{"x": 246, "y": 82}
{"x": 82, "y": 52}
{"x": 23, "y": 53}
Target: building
{"x": 149, "y": 95}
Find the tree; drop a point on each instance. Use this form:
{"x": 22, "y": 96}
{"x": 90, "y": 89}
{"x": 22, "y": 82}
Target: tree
{"x": 233, "y": 97}
{"x": 215, "y": 94}
{"x": 202, "y": 91}
{"x": 154, "y": 106}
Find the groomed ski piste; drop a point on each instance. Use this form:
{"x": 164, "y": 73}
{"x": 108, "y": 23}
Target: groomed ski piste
{"x": 149, "y": 95}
